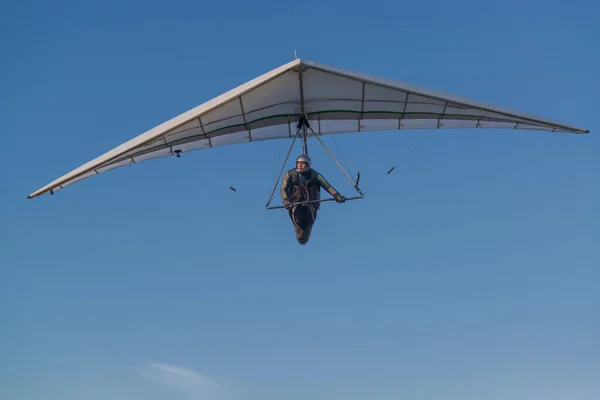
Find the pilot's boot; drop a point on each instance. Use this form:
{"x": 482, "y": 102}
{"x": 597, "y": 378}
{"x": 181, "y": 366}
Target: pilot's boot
{"x": 302, "y": 236}
{"x": 299, "y": 232}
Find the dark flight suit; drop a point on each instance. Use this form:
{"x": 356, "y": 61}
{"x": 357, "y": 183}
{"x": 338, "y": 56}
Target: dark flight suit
{"x": 298, "y": 187}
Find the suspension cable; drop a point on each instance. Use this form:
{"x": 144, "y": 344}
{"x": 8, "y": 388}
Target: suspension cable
{"x": 283, "y": 166}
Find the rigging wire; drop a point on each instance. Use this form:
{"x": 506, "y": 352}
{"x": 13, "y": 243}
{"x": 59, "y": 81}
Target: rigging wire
{"x": 346, "y": 164}
{"x": 403, "y": 159}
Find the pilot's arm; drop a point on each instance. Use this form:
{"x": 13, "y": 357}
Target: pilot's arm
{"x": 330, "y": 189}
{"x": 285, "y": 184}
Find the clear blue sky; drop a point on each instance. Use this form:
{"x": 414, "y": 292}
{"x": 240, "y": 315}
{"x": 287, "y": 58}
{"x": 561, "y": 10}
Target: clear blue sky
{"x": 470, "y": 272}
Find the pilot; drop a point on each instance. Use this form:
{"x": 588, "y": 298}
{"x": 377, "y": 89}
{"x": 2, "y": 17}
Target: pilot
{"x": 303, "y": 185}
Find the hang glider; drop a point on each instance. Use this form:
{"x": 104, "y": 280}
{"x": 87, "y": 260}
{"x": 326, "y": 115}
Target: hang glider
{"x": 333, "y": 100}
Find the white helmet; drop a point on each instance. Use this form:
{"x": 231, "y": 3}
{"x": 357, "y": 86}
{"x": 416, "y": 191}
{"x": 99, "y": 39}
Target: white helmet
{"x": 303, "y": 158}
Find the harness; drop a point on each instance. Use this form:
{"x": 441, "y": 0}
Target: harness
{"x": 309, "y": 190}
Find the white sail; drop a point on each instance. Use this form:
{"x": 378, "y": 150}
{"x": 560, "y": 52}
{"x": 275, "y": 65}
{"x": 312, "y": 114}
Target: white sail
{"x": 332, "y": 99}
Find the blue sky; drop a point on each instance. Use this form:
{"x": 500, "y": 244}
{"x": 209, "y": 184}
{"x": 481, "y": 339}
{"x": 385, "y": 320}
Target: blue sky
{"x": 468, "y": 273}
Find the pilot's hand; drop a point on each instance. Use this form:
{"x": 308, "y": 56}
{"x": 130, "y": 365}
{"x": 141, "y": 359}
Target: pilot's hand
{"x": 339, "y": 198}
{"x": 287, "y": 204}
